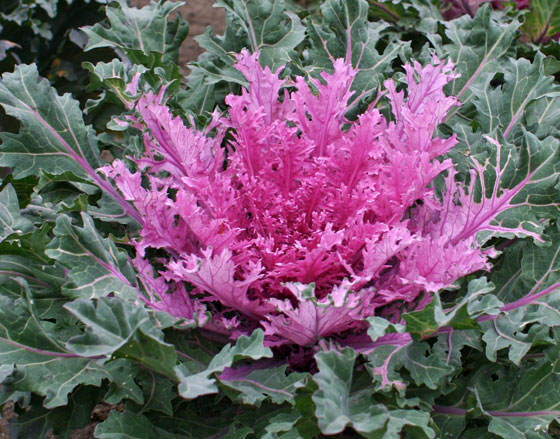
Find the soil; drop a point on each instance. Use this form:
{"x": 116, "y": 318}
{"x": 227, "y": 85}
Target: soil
{"x": 199, "y": 14}
{"x": 7, "y": 413}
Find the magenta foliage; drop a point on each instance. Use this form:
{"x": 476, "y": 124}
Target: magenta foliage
{"x": 311, "y": 222}
{"x": 456, "y": 8}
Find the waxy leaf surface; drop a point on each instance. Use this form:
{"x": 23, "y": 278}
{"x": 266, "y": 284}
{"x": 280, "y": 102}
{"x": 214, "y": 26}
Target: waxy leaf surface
{"x": 96, "y": 267}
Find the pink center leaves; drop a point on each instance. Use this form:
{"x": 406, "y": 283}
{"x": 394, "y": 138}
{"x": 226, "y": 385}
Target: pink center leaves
{"x": 311, "y": 222}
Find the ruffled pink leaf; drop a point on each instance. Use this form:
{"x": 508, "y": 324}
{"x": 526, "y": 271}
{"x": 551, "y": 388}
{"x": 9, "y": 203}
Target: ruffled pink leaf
{"x": 313, "y": 319}
{"x": 215, "y": 275}
{"x": 319, "y": 113}
{"x": 172, "y": 298}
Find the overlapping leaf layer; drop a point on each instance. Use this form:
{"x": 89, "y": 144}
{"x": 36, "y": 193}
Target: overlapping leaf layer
{"x": 355, "y": 244}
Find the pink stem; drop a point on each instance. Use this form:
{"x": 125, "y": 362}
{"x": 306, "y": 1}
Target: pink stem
{"x": 524, "y": 301}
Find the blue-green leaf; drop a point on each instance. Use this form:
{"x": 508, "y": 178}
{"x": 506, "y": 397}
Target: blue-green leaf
{"x": 337, "y": 407}
{"x": 343, "y": 31}
{"x": 11, "y": 220}
{"x": 121, "y": 329}
{"x": 96, "y": 267}
{"x": 202, "y": 383}
{"x": 52, "y": 137}
{"x": 129, "y": 425}
{"x": 140, "y": 32}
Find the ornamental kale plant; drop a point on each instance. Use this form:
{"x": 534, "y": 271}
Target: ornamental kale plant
{"x": 342, "y": 223}
{"x": 313, "y": 222}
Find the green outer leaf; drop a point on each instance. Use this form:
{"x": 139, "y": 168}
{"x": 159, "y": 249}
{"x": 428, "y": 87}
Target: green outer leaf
{"x": 123, "y": 385}
{"x": 264, "y": 25}
{"x": 21, "y": 319}
{"x": 11, "y": 221}
{"x": 334, "y": 380}
{"x": 199, "y": 99}
{"x": 516, "y": 330}
{"x": 260, "y": 384}
{"x": 284, "y": 422}
{"x": 270, "y": 28}
{"x": 217, "y": 64}
{"x": 34, "y": 347}
{"x": 528, "y": 173}
{"x": 145, "y": 30}
{"x": 52, "y": 137}
{"x": 449, "y": 425}
{"x": 337, "y": 407}
{"x": 129, "y": 425}
{"x": 542, "y": 117}
{"x": 97, "y": 267}
{"x": 475, "y": 302}
{"x": 110, "y": 210}
{"x": 427, "y": 366}
{"x": 396, "y": 421}
{"x": 37, "y": 421}
{"x": 529, "y": 395}
{"x": 27, "y": 260}
{"x": 47, "y": 181}
{"x": 343, "y": 31}
{"x": 114, "y": 76}
{"x": 195, "y": 385}
{"x": 159, "y": 392}
{"x": 378, "y": 327}
{"x": 477, "y": 47}
{"x": 52, "y": 377}
{"x": 121, "y": 329}
{"x": 503, "y": 108}
{"x": 530, "y": 427}
{"x": 525, "y": 270}
{"x": 507, "y": 332}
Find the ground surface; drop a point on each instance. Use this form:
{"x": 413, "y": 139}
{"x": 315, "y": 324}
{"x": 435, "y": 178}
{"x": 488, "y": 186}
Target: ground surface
{"x": 199, "y": 14}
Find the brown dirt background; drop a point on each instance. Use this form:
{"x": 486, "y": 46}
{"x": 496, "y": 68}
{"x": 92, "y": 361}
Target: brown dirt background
{"x": 199, "y": 14}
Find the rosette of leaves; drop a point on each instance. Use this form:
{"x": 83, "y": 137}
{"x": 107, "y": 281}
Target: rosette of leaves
{"x": 477, "y": 361}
